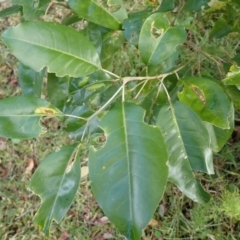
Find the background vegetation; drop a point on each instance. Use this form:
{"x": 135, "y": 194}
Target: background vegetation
{"x": 177, "y": 217}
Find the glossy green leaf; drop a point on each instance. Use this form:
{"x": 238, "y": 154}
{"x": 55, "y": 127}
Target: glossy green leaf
{"x": 158, "y": 41}
{"x": 126, "y": 172}
{"x": 32, "y": 9}
{"x": 20, "y": 116}
{"x": 167, "y": 5}
{"x": 220, "y": 136}
{"x": 207, "y": 99}
{"x": 57, "y": 89}
{"x": 96, "y": 12}
{"x": 220, "y": 29}
{"x": 11, "y": 10}
{"x": 188, "y": 145}
{"x": 150, "y": 34}
{"x": 233, "y": 77}
{"x": 63, "y": 50}
{"x": 133, "y": 24}
{"x": 56, "y": 181}
{"x": 30, "y": 81}
{"x": 195, "y": 5}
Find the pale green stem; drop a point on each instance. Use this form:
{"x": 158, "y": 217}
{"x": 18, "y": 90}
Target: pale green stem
{"x": 110, "y": 73}
{"x": 106, "y": 104}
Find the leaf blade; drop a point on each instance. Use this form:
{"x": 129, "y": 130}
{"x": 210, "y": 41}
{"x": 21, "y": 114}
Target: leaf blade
{"x": 96, "y": 13}
{"x": 63, "y": 50}
{"x": 19, "y": 118}
{"x": 56, "y": 181}
{"x": 128, "y": 169}
{"x": 207, "y": 99}
{"x": 188, "y": 144}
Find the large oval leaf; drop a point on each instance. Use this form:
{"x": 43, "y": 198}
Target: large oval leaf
{"x": 56, "y": 181}
{"x": 158, "y": 41}
{"x": 94, "y": 11}
{"x": 129, "y": 173}
{"x": 20, "y": 115}
{"x": 188, "y": 147}
{"x": 207, "y": 99}
{"x": 63, "y": 50}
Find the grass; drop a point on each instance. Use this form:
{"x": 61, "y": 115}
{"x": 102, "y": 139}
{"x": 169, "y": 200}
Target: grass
{"x": 177, "y": 217}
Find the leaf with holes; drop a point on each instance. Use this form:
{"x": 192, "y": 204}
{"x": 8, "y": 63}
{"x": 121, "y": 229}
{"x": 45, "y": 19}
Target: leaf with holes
{"x": 126, "y": 172}
{"x": 56, "y": 181}
{"x": 207, "y": 99}
{"x": 158, "y": 41}
{"x": 188, "y": 145}
{"x": 20, "y": 116}
{"x": 61, "y": 49}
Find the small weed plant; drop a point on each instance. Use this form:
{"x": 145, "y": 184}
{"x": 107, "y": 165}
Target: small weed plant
{"x": 148, "y": 89}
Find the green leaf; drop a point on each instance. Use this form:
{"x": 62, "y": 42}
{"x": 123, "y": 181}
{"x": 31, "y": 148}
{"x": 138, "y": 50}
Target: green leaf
{"x": 57, "y": 89}
{"x": 195, "y": 5}
{"x": 207, "y": 99}
{"x": 82, "y": 95}
{"x": 111, "y": 44}
{"x": 220, "y": 29}
{"x": 234, "y": 94}
{"x": 233, "y": 77}
{"x": 93, "y": 33}
{"x": 20, "y": 116}
{"x": 78, "y": 128}
{"x": 32, "y": 9}
{"x": 167, "y": 5}
{"x": 10, "y": 10}
{"x": 218, "y": 135}
{"x": 158, "y": 41}
{"x": 56, "y": 181}
{"x": 188, "y": 145}
{"x": 63, "y": 50}
{"x": 95, "y": 12}
{"x": 129, "y": 173}
{"x": 133, "y": 24}
{"x": 30, "y": 81}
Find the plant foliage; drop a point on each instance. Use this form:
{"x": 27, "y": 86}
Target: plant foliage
{"x": 159, "y": 119}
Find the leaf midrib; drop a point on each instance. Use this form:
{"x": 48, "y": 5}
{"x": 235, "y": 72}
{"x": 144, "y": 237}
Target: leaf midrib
{"x": 128, "y": 162}
{"x": 61, "y": 183}
{"x": 52, "y": 49}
